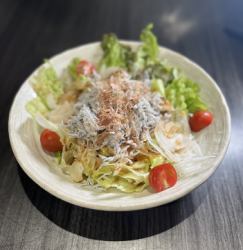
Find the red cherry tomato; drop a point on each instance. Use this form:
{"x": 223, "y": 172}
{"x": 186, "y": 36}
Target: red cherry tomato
{"x": 200, "y": 120}
{"x": 85, "y": 68}
{"x": 50, "y": 141}
{"x": 162, "y": 177}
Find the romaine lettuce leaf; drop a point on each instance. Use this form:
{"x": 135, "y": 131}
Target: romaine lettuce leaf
{"x": 115, "y": 53}
{"x": 47, "y": 86}
{"x": 147, "y": 53}
{"x": 150, "y": 45}
{"x": 184, "y": 95}
{"x": 35, "y": 106}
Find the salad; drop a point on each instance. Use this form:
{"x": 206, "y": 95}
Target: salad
{"x": 125, "y": 122}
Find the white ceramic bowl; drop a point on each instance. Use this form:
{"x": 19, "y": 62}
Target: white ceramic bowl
{"x": 213, "y": 141}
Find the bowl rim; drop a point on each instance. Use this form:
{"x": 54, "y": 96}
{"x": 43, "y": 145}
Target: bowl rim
{"x": 97, "y": 206}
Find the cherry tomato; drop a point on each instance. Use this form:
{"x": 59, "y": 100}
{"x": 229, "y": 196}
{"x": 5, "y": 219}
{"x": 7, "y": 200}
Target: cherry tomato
{"x": 50, "y": 141}
{"x": 200, "y": 120}
{"x": 85, "y": 68}
{"x": 162, "y": 177}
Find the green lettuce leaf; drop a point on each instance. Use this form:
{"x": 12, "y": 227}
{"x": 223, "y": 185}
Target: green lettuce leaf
{"x": 115, "y": 53}
{"x": 147, "y": 53}
{"x": 184, "y": 95}
{"x": 35, "y": 106}
{"x": 150, "y": 45}
{"x": 132, "y": 178}
{"x": 118, "y": 55}
{"x": 47, "y": 86}
{"x": 72, "y": 68}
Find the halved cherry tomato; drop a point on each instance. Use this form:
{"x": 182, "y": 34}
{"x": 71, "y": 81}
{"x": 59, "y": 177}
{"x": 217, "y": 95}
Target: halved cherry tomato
{"x": 85, "y": 68}
{"x": 162, "y": 177}
{"x": 50, "y": 141}
{"x": 200, "y": 120}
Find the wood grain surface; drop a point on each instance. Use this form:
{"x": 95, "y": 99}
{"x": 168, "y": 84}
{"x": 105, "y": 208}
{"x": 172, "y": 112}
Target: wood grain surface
{"x": 208, "y": 32}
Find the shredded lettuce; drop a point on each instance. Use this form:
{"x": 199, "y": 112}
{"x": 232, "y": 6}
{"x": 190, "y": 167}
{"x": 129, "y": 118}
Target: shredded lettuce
{"x": 128, "y": 179}
{"x": 157, "y": 160}
{"x": 184, "y": 95}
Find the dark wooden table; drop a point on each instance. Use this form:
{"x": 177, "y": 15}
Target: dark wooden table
{"x": 210, "y": 33}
